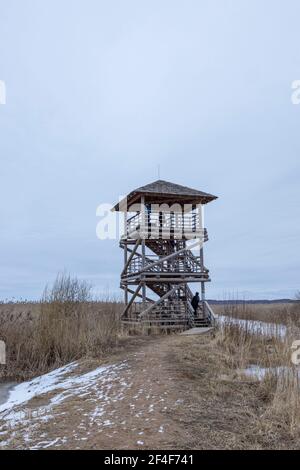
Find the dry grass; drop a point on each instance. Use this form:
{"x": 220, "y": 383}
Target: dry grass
{"x": 223, "y": 407}
{"x": 279, "y": 389}
{"x": 277, "y": 313}
{"x": 227, "y": 409}
{"x": 210, "y": 403}
{"x": 65, "y": 326}
{"x": 242, "y": 346}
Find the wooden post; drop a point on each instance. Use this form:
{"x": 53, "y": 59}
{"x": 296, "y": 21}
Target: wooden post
{"x": 125, "y": 257}
{"x": 143, "y": 224}
{"x": 133, "y": 252}
{"x": 200, "y": 215}
{"x": 202, "y": 267}
{"x": 131, "y": 301}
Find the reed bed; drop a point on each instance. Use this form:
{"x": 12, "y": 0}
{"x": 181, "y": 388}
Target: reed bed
{"x": 278, "y": 313}
{"x": 244, "y": 346}
{"x": 66, "y": 325}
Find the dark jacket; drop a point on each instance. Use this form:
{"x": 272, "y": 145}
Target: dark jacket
{"x": 195, "y": 302}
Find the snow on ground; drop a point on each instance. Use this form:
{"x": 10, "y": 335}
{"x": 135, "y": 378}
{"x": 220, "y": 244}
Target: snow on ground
{"x": 258, "y": 372}
{"x": 18, "y": 419}
{"x": 27, "y": 390}
{"x": 95, "y": 394}
{"x": 55, "y": 380}
{"x": 254, "y": 326}
{"x": 264, "y": 329}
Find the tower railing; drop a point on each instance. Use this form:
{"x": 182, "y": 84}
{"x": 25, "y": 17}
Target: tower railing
{"x": 167, "y": 313}
{"x": 183, "y": 264}
{"x": 162, "y": 225}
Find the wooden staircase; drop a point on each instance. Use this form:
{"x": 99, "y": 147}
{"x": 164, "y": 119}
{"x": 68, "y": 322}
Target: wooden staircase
{"x": 165, "y": 266}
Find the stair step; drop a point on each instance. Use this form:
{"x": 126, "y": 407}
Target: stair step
{"x": 201, "y": 322}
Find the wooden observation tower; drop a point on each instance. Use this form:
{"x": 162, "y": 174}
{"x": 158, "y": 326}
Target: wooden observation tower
{"x": 163, "y": 253}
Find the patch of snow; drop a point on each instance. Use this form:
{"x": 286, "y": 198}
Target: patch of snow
{"x": 258, "y": 372}
{"x": 96, "y": 383}
{"x": 74, "y": 385}
{"x": 25, "y": 391}
{"x": 107, "y": 423}
{"x": 254, "y": 326}
{"x": 151, "y": 407}
{"x": 45, "y": 444}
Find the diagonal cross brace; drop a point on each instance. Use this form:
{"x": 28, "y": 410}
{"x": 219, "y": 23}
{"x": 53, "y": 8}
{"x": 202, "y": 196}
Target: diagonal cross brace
{"x": 166, "y": 258}
{"x": 131, "y": 300}
{"x": 131, "y": 256}
{"x": 159, "y": 301}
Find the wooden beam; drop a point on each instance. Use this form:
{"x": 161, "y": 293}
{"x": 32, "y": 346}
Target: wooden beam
{"x": 125, "y": 256}
{"x": 131, "y": 256}
{"x": 133, "y": 279}
{"x": 138, "y": 295}
{"x": 158, "y": 302}
{"x": 131, "y": 300}
{"x": 143, "y": 245}
{"x": 202, "y": 267}
{"x": 166, "y": 258}
{"x": 211, "y": 312}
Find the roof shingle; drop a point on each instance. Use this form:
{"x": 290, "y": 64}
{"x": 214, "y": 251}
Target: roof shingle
{"x": 166, "y": 190}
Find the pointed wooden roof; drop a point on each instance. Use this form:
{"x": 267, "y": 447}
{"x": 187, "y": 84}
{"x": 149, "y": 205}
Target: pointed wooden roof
{"x": 165, "y": 192}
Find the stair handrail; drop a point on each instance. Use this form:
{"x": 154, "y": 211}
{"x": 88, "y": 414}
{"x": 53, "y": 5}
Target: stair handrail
{"x": 211, "y": 314}
{"x": 191, "y": 313}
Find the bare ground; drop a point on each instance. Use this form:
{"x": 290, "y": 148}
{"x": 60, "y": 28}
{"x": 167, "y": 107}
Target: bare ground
{"x": 167, "y": 392}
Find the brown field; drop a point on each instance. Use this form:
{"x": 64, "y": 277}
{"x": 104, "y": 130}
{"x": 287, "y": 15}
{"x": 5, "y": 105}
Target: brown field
{"x": 197, "y": 386}
{"x": 280, "y": 313}
{"x": 43, "y": 336}
{"x": 193, "y": 388}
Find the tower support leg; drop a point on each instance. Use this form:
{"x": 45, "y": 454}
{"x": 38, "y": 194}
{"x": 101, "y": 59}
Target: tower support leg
{"x": 125, "y": 259}
{"x": 202, "y": 283}
{"x": 143, "y": 245}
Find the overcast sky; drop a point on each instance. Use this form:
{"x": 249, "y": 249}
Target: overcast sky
{"x": 101, "y": 92}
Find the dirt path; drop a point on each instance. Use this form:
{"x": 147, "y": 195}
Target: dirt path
{"x": 129, "y": 406}
{"x": 166, "y": 392}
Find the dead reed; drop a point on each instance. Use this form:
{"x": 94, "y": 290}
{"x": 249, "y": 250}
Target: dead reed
{"x": 65, "y": 325}
{"x": 279, "y": 313}
{"x": 243, "y": 346}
